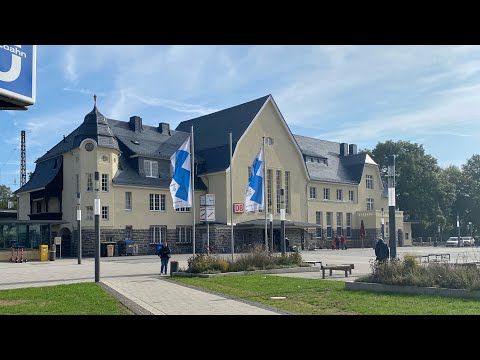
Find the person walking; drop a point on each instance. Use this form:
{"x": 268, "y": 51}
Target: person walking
{"x": 343, "y": 242}
{"x": 164, "y": 257}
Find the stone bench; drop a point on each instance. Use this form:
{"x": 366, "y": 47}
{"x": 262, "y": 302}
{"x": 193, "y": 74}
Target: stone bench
{"x": 343, "y": 267}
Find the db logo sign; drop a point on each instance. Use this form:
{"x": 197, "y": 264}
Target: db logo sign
{"x": 238, "y": 208}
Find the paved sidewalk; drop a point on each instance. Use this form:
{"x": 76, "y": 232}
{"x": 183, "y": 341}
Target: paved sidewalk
{"x": 135, "y": 280}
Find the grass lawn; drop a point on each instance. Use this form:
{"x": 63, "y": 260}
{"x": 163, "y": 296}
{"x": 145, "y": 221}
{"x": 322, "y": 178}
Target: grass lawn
{"x": 71, "y": 299}
{"x": 327, "y": 297}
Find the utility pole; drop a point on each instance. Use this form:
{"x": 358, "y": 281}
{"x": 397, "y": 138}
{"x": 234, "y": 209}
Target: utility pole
{"x": 458, "y": 230}
{"x": 79, "y": 229}
{"x": 97, "y": 229}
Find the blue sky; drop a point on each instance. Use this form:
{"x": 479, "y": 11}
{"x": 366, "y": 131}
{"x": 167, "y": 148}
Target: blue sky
{"x": 355, "y": 94}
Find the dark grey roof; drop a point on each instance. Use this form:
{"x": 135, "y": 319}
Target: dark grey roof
{"x": 94, "y": 126}
{"x": 44, "y": 173}
{"x": 339, "y": 169}
{"x": 211, "y": 133}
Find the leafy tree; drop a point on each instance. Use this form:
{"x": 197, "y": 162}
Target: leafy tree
{"x": 422, "y": 191}
{"x": 5, "y": 195}
{"x": 468, "y": 197}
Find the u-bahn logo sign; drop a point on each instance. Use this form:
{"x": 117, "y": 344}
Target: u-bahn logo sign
{"x": 18, "y": 73}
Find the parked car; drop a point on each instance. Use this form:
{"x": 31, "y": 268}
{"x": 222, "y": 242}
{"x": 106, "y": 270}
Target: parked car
{"x": 468, "y": 241}
{"x": 453, "y": 241}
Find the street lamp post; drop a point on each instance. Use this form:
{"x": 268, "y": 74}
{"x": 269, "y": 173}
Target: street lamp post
{"x": 97, "y": 228}
{"x": 382, "y": 220}
{"x": 470, "y": 226}
{"x": 271, "y": 233}
{"x": 282, "y": 221}
{"x": 458, "y": 230}
{"x": 391, "y": 206}
{"x": 79, "y": 229}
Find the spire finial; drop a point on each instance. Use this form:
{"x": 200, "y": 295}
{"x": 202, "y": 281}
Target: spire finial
{"x": 95, "y": 100}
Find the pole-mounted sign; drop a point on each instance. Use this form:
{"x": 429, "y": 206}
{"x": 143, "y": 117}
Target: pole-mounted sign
{"x": 17, "y": 76}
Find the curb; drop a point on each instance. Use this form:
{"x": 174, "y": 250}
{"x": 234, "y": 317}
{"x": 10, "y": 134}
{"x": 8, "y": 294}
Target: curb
{"x": 240, "y": 273}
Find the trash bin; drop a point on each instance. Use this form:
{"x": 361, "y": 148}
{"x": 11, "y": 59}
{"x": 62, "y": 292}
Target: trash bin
{"x": 104, "y": 248}
{"x": 52, "y": 254}
{"x": 110, "y": 249}
{"x": 127, "y": 247}
{"x": 173, "y": 266}
{"x": 43, "y": 252}
{"x": 157, "y": 248}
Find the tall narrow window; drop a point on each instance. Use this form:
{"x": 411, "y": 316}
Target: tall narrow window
{"x": 339, "y": 223}
{"x": 77, "y": 183}
{"x": 269, "y": 189}
{"x": 329, "y": 224}
{"x": 151, "y": 168}
{"x": 326, "y": 194}
{"x": 370, "y": 204}
{"x": 351, "y": 196}
{"x": 129, "y": 232}
{"x": 369, "y": 181}
{"x": 318, "y": 221}
{"x": 349, "y": 225}
{"x": 128, "y": 200}
{"x": 89, "y": 213}
{"x": 184, "y": 234}
{"x": 287, "y": 192}
{"x": 313, "y": 192}
{"x": 249, "y": 174}
{"x": 104, "y": 182}
{"x": 158, "y": 234}
{"x": 279, "y": 186}
{"x": 339, "y": 195}
{"x": 104, "y": 212}
{"x": 89, "y": 182}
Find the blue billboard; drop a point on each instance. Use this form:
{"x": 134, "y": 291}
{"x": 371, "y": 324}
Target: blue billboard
{"x": 18, "y": 73}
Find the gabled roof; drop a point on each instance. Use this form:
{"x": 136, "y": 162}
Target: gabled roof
{"x": 339, "y": 169}
{"x": 211, "y": 133}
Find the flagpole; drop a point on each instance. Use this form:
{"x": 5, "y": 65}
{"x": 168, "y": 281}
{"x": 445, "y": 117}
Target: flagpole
{"x": 265, "y": 205}
{"x": 231, "y": 196}
{"x": 192, "y": 158}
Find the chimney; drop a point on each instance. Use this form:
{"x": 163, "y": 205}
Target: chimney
{"x": 136, "y": 123}
{"x": 352, "y": 149}
{"x": 164, "y": 128}
{"x": 343, "y": 149}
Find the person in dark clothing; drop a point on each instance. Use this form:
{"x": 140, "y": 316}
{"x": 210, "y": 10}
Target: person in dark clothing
{"x": 287, "y": 244}
{"x": 381, "y": 250}
{"x": 164, "y": 257}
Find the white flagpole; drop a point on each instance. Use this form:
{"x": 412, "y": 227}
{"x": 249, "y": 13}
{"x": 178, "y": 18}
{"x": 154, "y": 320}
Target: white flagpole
{"x": 265, "y": 205}
{"x": 231, "y": 196}
{"x": 192, "y": 158}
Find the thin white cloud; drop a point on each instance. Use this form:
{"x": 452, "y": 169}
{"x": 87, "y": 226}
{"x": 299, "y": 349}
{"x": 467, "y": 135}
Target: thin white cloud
{"x": 70, "y": 64}
{"x": 174, "y": 105}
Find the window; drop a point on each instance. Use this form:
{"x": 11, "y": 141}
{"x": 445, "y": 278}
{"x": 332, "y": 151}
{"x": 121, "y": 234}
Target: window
{"x": 151, "y": 168}
{"x": 104, "y": 212}
{"x": 158, "y": 234}
{"x": 77, "y": 183}
{"x": 326, "y": 194}
{"x": 128, "y": 200}
{"x": 269, "y": 189}
{"x": 406, "y": 236}
{"x": 350, "y": 195}
{"x": 39, "y": 207}
{"x": 104, "y": 182}
{"x": 183, "y": 209}
{"x": 349, "y": 225}
{"x": 313, "y": 192}
{"x": 249, "y": 174}
{"x": 89, "y": 182}
{"x": 369, "y": 204}
{"x": 279, "y": 186}
{"x": 329, "y": 224}
{"x": 184, "y": 234}
{"x": 339, "y": 195}
{"x": 287, "y": 192}
{"x": 129, "y": 232}
{"x": 318, "y": 221}
{"x": 157, "y": 202}
{"x": 89, "y": 212}
{"x": 339, "y": 222}
{"x": 387, "y": 228}
{"x": 369, "y": 181}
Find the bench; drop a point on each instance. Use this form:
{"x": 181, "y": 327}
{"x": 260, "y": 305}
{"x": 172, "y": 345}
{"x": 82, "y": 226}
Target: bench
{"x": 439, "y": 257}
{"x": 343, "y": 267}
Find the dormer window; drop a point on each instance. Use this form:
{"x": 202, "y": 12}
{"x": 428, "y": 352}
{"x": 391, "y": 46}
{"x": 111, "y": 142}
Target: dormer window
{"x": 151, "y": 168}
{"x": 317, "y": 160}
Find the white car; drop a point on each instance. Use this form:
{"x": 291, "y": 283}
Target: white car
{"x": 468, "y": 241}
{"x": 453, "y": 241}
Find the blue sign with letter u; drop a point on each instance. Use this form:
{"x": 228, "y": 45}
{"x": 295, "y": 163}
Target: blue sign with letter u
{"x": 17, "y": 72}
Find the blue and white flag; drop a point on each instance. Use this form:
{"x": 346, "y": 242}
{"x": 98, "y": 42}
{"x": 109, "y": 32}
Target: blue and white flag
{"x": 254, "y": 197}
{"x": 180, "y": 187}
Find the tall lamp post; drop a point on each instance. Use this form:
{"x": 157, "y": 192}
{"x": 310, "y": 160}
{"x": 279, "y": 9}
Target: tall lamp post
{"x": 458, "y": 230}
{"x": 271, "y": 233}
{"x": 282, "y": 221}
{"x": 382, "y": 230}
{"x": 79, "y": 229}
{"x": 97, "y": 229}
{"x": 391, "y": 206}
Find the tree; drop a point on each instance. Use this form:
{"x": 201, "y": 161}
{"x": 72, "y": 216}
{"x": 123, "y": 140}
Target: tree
{"x": 468, "y": 196}
{"x": 422, "y": 192}
{"x": 5, "y": 195}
